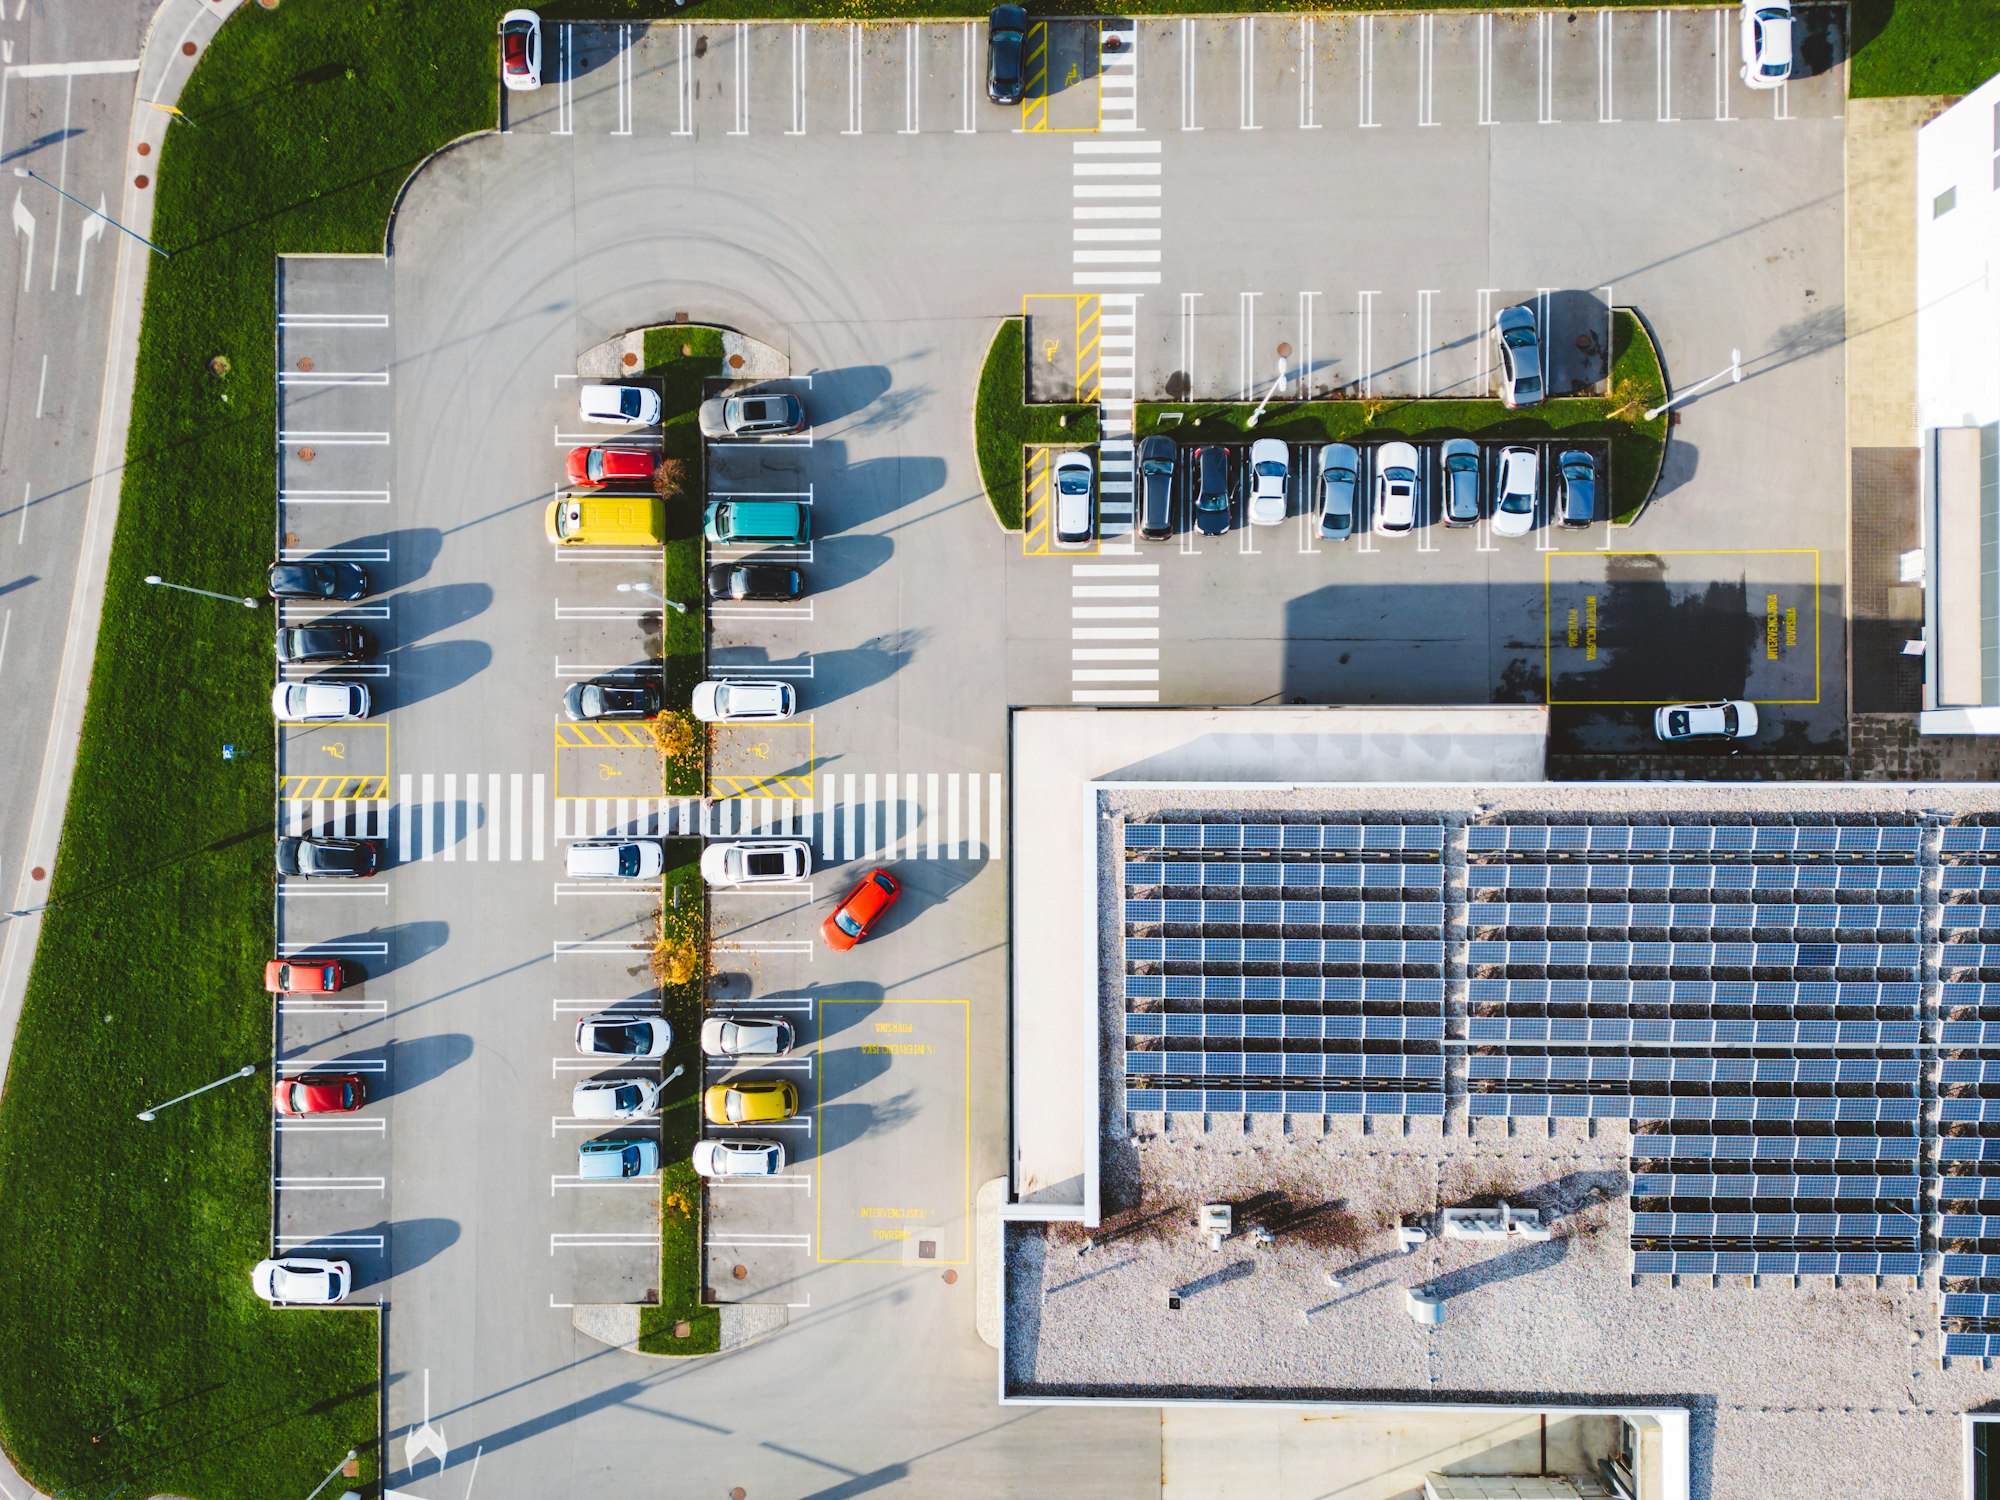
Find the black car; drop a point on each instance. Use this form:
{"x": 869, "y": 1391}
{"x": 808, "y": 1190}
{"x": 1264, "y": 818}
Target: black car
{"x": 612, "y": 698}
{"x": 1212, "y": 490}
{"x": 317, "y": 643}
{"x": 755, "y": 581}
{"x": 318, "y": 580}
{"x": 1004, "y": 37}
{"x": 1156, "y": 487}
{"x": 318, "y": 857}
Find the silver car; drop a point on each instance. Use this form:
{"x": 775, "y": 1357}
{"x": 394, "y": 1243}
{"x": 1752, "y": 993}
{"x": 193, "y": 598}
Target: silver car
{"x": 756, "y": 415}
{"x": 1459, "y": 459}
{"x": 1520, "y": 356}
{"x": 1339, "y": 476}
{"x": 746, "y": 1036}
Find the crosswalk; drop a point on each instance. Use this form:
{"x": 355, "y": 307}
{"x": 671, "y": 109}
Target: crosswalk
{"x": 1114, "y": 632}
{"x": 1118, "y": 73}
{"x": 498, "y": 817}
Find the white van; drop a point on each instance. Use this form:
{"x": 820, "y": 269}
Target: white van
{"x": 615, "y": 859}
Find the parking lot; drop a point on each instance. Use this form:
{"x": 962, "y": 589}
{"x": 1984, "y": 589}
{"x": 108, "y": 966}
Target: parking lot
{"x": 1362, "y": 191}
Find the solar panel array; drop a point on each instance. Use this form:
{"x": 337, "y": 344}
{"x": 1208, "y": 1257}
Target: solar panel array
{"x": 1747, "y": 996}
{"x": 1968, "y": 1086}
{"x": 1284, "y": 968}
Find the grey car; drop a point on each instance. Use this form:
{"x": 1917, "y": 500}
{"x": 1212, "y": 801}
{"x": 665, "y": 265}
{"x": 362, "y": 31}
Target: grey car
{"x": 1520, "y": 356}
{"x": 1576, "y": 488}
{"x": 758, "y": 414}
{"x": 1460, "y": 461}
{"x": 1339, "y": 478}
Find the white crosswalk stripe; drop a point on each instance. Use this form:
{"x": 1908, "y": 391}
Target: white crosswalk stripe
{"x": 911, "y": 815}
{"x": 1118, "y": 73}
{"x": 1114, "y": 602}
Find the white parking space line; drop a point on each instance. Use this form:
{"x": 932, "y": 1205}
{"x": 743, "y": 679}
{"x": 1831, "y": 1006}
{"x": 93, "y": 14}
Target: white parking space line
{"x": 1607, "y": 105}
{"x": 1308, "y": 76}
{"x": 1246, "y": 74}
{"x": 740, "y": 55}
{"x": 1722, "y": 71}
{"x": 365, "y": 889}
{"x": 732, "y": 1184}
{"x": 1365, "y": 306}
{"x": 329, "y": 1241}
{"x": 321, "y": 1125}
{"x": 333, "y": 439}
{"x": 565, "y": 79}
{"x": 799, "y": 1242}
{"x": 1483, "y": 66}
{"x": 332, "y": 320}
{"x": 293, "y": 1066}
{"x": 1187, "y": 75}
{"x": 967, "y": 88}
{"x": 1482, "y": 366}
{"x": 624, "y": 126}
{"x": 684, "y": 77}
{"x": 333, "y": 497}
{"x": 1426, "y": 72}
{"x": 1545, "y": 67}
{"x": 570, "y": 1122}
{"x": 603, "y": 1241}
{"x": 912, "y": 82}
{"x": 798, "y": 125}
{"x": 333, "y": 377}
{"x": 652, "y": 1183}
{"x": 331, "y": 1184}
{"x": 853, "y": 79}
{"x": 339, "y": 948}
{"x": 1364, "y": 52}
{"x": 1663, "y": 66}
{"x": 1424, "y": 387}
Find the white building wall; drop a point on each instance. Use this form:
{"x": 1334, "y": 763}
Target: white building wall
{"x": 1958, "y": 263}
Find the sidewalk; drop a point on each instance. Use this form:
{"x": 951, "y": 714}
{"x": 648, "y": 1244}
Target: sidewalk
{"x": 175, "y": 40}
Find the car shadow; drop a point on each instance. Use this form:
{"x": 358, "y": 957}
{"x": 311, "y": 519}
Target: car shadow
{"x": 406, "y": 1245}
{"x": 412, "y": 552}
{"x": 425, "y": 612}
{"x": 408, "y": 1062}
{"x": 834, "y": 395}
{"x": 406, "y": 942}
{"x": 433, "y": 828}
{"x": 429, "y": 670}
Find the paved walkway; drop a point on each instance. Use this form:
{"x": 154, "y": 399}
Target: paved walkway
{"x": 1881, "y": 747}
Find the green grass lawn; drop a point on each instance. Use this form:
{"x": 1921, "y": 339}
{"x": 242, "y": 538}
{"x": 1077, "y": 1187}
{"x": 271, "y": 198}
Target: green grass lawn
{"x": 125, "y": 1248}
{"x": 1003, "y": 423}
{"x": 681, "y": 635}
{"x": 1922, "y": 46}
{"x": 1637, "y": 446}
{"x": 680, "y": 1128}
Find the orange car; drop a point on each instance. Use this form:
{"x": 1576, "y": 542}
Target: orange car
{"x": 304, "y": 976}
{"x": 848, "y": 923}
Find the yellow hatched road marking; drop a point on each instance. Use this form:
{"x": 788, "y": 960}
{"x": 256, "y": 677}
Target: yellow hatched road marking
{"x": 335, "y": 788}
{"x": 1035, "y": 94}
{"x": 1035, "y": 514}
{"x": 604, "y": 736}
{"x": 1087, "y": 381}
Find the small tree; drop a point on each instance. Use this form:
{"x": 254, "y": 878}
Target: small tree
{"x": 669, "y": 478}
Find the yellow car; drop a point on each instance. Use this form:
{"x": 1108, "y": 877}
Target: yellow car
{"x": 750, "y": 1103}
{"x": 608, "y": 521}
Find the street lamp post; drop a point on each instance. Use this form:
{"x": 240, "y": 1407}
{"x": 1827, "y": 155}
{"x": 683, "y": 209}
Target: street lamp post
{"x": 244, "y": 600}
{"x": 640, "y": 588}
{"x": 1734, "y": 372}
{"x": 335, "y": 1470}
{"x": 243, "y": 1072}
{"x": 30, "y": 172}
{"x": 1276, "y": 386}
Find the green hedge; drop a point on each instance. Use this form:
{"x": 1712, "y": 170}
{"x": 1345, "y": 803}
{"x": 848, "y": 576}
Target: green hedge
{"x": 1637, "y": 446}
{"x": 1004, "y": 423}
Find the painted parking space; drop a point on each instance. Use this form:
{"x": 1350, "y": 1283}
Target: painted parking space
{"x": 334, "y": 761}
{"x": 762, "y": 760}
{"x": 893, "y": 1163}
{"x": 614, "y": 760}
{"x": 1635, "y": 628}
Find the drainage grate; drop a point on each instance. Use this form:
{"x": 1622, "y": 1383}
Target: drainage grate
{"x": 926, "y": 1249}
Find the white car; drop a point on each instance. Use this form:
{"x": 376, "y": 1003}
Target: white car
{"x": 1767, "y": 43}
{"x": 1339, "y": 468}
{"x": 1514, "y": 489}
{"x": 1730, "y": 719}
{"x": 615, "y": 1099}
{"x": 624, "y": 1033}
{"x": 1520, "y": 356}
{"x": 1076, "y": 500}
{"x": 739, "y": 1158}
{"x": 302, "y": 1279}
{"x": 521, "y": 51}
{"x": 626, "y": 405}
{"x": 615, "y": 859}
{"x": 746, "y": 1036}
{"x": 319, "y": 702}
{"x": 1270, "y": 474}
{"x": 1396, "y": 489}
{"x": 739, "y": 698}
{"x": 756, "y": 862}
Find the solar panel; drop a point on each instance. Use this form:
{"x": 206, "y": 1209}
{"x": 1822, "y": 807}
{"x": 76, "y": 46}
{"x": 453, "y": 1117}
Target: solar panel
{"x": 1968, "y": 955}
{"x": 1969, "y": 1070}
{"x": 1424, "y": 914}
{"x": 1969, "y": 878}
{"x": 1673, "y": 1226}
{"x": 1275, "y": 1101}
{"x": 1774, "y": 1263}
{"x": 1658, "y": 1146}
{"x": 1964, "y": 1189}
{"x": 1968, "y": 1227}
{"x": 1749, "y": 1185}
{"x": 1968, "y": 1148}
{"x": 1304, "y": 988}
{"x": 1856, "y": 1111}
{"x": 1693, "y": 838}
{"x": 1793, "y": 994}
{"x": 1971, "y": 1305}
{"x": 1287, "y": 875}
{"x": 1625, "y": 1031}
{"x": 1969, "y": 916}
{"x": 1971, "y": 1034}
{"x": 1968, "y": 1111}
{"x": 1227, "y": 1025}
{"x": 1516, "y": 953}
{"x": 1194, "y": 1066}
{"x": 1344, "y": 952}
{"x": 1961, "y": 1265}
{"x": 1683, "y": 1069}
{"x": 1969, "y": 838}
{"x": 1744, "y": 916}
{"x": 1893, "y": 880}
{"x": 1972, "y": 1345}
{"x": 1356, "y": 838}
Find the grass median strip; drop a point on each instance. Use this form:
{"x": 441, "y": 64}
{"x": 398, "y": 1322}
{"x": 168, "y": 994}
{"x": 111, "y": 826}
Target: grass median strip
{"x": 137, "y": 1358}
{"x": 1637, "y": 445}
{"x": 1004, "y": 423}
{"x": 1932, "y": 47}
{"x": 683, "y": 981}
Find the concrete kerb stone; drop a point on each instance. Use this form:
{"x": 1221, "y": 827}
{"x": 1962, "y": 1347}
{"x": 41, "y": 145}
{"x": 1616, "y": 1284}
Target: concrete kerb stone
{"x": 617, "y": 1324}
{"x": 986, "y": 1279}
{"x": 626, "y": 355}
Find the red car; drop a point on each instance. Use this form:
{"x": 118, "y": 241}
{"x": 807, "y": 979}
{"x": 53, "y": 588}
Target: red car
{"x": 589, "y": 467}
{"x": 849, "y": 922}
{"x": 304, "y": 976}
{"x": 319, "y": 1094}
